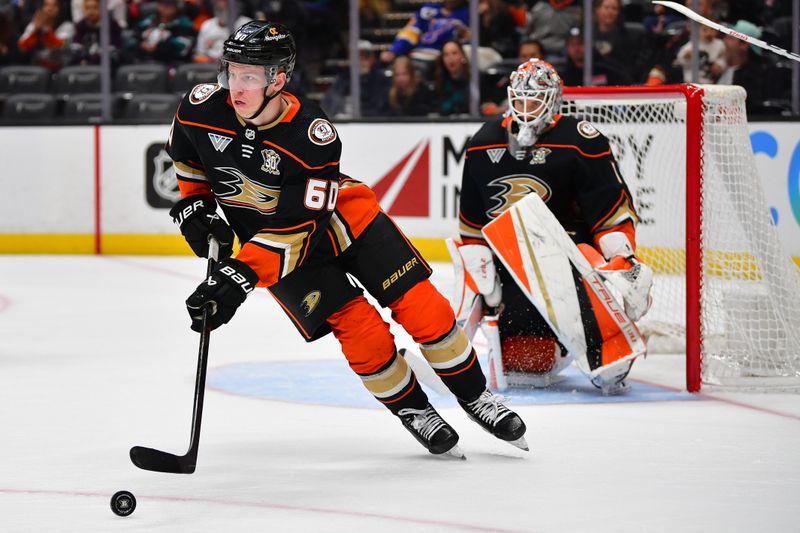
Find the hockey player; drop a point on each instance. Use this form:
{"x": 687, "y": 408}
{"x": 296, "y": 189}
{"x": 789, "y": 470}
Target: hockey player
{"x": 569, "y": 164}
{"x": 270, "y": 161}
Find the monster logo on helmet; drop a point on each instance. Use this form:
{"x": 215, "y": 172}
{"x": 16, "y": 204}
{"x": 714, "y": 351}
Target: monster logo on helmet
{"x": 534, "y": 99}
{"x": 260, "y": 43}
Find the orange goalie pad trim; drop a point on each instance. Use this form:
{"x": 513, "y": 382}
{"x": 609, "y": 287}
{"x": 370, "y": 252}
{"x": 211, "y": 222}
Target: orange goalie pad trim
{"x": 503, "y": 236}
{"x": 615, "y": 345}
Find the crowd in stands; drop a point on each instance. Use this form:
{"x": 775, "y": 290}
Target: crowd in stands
{"x": 414, "y": 57}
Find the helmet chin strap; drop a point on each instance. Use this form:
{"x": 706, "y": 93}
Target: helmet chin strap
{"x": 267, "y": 100}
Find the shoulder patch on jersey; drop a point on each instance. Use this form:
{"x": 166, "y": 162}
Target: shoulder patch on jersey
{"x": 202, "y": 92}
{"x": 321, "y": 132}
{"x": 587, "y": 130}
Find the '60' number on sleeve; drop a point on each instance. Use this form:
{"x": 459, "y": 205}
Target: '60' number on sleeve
{"x": 321, "y": 193}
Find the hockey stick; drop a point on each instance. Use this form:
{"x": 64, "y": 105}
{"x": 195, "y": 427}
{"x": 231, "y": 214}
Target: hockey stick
{"x": 156, "y": 460}
{"x": 728, "y": 31}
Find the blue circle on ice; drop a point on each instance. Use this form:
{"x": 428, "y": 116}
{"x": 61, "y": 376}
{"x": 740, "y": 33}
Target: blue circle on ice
{"x": 333, "y": 383}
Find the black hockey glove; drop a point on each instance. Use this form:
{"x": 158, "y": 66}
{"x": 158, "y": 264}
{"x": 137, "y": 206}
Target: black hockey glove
{"x": 197, "y": 218}
{"x": 224, "y": 291}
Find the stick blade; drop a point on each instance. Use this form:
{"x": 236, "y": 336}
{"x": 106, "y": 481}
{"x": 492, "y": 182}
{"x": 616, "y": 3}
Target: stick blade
{"x": 158, "y": 461}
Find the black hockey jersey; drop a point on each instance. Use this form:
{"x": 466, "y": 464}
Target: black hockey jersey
{"x": 277, "y": 184}
{"x": 571, "y": 167}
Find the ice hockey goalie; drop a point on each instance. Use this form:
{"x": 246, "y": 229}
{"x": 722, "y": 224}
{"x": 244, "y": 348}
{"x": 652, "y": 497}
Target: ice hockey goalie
{"x": 546, "y": 261}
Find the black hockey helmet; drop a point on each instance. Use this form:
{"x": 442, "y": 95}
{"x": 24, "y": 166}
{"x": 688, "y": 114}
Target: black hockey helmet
{"x": 261, "y": 43}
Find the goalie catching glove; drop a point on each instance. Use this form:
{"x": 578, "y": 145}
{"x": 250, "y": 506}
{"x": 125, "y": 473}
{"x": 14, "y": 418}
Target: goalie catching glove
{"x": 224, "y": 291}
{"x": 198, "y": 220}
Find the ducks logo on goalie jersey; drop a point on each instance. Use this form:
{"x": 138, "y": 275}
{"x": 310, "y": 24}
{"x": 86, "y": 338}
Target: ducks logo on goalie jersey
{"x": 514, "y": 188}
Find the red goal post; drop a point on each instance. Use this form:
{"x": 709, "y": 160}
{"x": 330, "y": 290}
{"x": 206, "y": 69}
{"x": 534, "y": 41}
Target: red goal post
{"x": 726, "y": 293}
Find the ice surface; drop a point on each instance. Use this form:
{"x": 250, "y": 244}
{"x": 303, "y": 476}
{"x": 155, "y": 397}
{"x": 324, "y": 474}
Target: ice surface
{"x": 96, "y": 356}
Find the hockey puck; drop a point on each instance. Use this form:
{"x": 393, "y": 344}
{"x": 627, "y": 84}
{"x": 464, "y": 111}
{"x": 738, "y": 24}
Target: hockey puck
{"x": 123, "y": 503}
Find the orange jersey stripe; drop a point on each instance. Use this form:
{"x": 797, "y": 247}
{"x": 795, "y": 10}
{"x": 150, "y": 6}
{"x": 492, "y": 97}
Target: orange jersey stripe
{"x": 622, "y": 198}
{"x": 290, "y": 154}
{"x": 468, "y": 222}
{"x": 607, "y": 152}
{"x": 487, "y": 146}
{"x": 294, "y": 107}
{"x": 205, "y": 126}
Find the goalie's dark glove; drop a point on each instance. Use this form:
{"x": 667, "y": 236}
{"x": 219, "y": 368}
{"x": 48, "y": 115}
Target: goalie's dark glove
{"x": 224, "y": 291}
{"x": 197, "y": 218}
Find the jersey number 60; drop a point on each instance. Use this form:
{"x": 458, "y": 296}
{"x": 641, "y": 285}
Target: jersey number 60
{"x": 317, "y": 191}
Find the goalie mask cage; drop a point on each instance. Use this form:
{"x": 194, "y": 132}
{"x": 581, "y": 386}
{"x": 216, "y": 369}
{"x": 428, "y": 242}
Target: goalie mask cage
{"x": 725, "y": 291}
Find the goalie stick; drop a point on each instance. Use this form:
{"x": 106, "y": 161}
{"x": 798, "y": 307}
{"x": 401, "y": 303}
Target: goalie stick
{"x": 156, "y": 460}
{"x": 688, "y": 13}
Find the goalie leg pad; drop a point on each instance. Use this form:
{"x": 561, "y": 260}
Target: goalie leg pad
{"x": 568, "y": 293}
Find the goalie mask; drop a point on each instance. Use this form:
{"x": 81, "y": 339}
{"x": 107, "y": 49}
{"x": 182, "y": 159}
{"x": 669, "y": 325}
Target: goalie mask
{"x": 258, "y": 43}
{"x": 534, "y": 99}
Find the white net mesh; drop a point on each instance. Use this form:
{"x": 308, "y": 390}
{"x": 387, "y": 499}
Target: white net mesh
{"x": 750, "y": 318}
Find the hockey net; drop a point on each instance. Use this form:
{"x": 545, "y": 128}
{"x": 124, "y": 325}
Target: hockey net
{"x": 725, "y": 293}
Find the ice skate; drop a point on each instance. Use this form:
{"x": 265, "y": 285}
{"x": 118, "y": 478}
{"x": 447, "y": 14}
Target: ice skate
{"x": 490, "y": 413}
{"x": 431, "y": 431}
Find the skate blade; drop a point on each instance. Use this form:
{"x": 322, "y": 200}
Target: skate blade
{"x": 520, "y": 443}
{"x": 455, "y": 453}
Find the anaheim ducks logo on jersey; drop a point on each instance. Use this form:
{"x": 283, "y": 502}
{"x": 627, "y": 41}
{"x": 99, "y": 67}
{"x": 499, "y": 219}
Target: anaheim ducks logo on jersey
{"x": 244, "y": 192}
{"x": 514, "y": 188}
{"x": 310, "y": 302}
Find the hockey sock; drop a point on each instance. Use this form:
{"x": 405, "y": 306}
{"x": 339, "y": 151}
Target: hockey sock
{"x": 454, "y": 360}
{"x": 395, "y": 386}
{"x": 369, "y": 348}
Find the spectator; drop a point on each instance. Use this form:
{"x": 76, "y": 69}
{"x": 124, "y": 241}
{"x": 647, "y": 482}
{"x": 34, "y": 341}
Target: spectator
{"x": 746, "y": 67}
{"x": 529, "y": 49}
{"x": 46, "y": 37}
{"x": 9, "y": 54}
{"x": 549, "y": 23}
{"x": 86, "y": 42}
{"x": 429, "y": 29}
{"x": 497, "y": 27}
{"x": 374, "y": 85}
{"x": 408, "y": 95}
{"x": 711, "y": 57}
{"x": 604, "y": 72}
{"x": 372, "y": 11}
{"x": 213, "y": 33}
{"x": 661, "y": 19}
{"x": 165, "y": 36}
{"x": 118, "y": 10}
{"x": 452, "y": 80}
{"x": 611, "y": 40}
